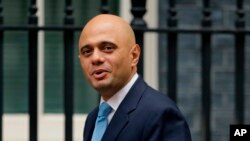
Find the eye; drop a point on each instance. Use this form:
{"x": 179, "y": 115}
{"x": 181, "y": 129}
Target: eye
{"x": 108, "y": 47}
{"x": 86, "y": 51}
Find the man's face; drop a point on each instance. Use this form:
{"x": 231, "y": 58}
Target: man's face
{"x": 106, "y": 58}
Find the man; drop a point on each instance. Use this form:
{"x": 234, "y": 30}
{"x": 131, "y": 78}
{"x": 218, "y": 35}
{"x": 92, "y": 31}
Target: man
{"x": 109, "y": 55}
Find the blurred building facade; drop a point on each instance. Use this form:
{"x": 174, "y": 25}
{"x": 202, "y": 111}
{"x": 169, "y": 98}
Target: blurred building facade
{"x": 50, "y": 65}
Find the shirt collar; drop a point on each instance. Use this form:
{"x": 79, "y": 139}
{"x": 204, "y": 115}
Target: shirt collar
{"x": 117, "y": 98}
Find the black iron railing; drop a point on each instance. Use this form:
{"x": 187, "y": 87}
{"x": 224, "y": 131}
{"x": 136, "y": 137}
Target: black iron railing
{"x": 206, "y": 72}
{"x": 239, "y": 63}
{"x": 1, "y": 72}
{"x": 68, "y": 71}
{"x": 32, "y": 47}
{"x": 138, "y": 10}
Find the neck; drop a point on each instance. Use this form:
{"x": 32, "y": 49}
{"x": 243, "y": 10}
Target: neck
{"x": 108, "y": 93}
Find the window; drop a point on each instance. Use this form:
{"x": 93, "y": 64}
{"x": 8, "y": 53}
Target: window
{"x": 16, "y": 56}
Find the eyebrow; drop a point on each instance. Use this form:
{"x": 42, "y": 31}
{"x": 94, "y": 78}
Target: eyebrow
{"x": 107, "y": 42}
{"x": 101, "y": 43}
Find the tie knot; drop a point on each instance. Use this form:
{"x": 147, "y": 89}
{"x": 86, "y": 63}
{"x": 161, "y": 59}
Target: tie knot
{"x": 104, "y": 109}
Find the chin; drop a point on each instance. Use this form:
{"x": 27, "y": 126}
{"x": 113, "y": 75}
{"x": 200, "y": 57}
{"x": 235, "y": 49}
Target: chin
{"x": 100, "y": 85}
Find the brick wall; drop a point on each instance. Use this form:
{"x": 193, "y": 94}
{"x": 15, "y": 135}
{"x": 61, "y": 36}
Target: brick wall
{"x": 222, "y": 69}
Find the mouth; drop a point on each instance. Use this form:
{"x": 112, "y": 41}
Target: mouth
{"x": 99, "y": 73}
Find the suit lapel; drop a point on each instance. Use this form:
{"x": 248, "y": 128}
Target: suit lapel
{"x": 117, "y": 123}
{"x": 128, "y": 105}
{"x": 90, "y": 125}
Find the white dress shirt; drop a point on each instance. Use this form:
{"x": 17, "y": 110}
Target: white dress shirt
{"x": 117, "y": 98}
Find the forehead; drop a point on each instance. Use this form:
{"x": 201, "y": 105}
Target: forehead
{"x": 99, "y": 33}
{"x": 99, "y": 27}
{"x": 98, "y": 37}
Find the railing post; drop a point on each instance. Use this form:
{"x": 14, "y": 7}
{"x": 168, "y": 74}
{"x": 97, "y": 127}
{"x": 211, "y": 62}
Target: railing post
{"x": 239, "y": 64}
{"x": 1, "y": 73}
{"x": 33, "y": 20}
{"x": 206, "y": 73}
{"x": 172, "y": 52}
{"x": 138, "y": 10}
{"x": 68, "y": 71}
{"x": 104, "y": 7}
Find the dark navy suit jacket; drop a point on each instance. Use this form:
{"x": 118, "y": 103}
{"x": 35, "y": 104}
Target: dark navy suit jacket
{"x": 143, "y": 115}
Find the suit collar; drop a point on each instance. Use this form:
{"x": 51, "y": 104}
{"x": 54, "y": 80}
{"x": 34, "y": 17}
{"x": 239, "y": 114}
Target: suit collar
{"x": 121, "y": 117}
{"x": 128, "y": 105}
{"x": 133, "y": 97}
{"x": 117, "y": 98}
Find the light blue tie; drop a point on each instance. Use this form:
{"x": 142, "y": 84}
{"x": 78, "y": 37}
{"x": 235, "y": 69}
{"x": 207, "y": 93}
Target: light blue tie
{"x": 101, "y": 122}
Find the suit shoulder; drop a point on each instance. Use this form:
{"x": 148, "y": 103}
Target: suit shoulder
{"x": 158, "y": 100}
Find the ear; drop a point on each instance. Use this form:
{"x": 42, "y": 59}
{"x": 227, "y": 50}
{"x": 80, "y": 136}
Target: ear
{"x": 135, "y": 54}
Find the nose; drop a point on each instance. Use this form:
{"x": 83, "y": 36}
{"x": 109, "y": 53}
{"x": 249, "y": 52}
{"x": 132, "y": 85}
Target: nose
{"x": 97, "y": 57}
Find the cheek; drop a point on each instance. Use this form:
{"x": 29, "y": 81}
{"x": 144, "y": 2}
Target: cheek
{"x": 122, "y": 64}
{"x": 84, "y": 67}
